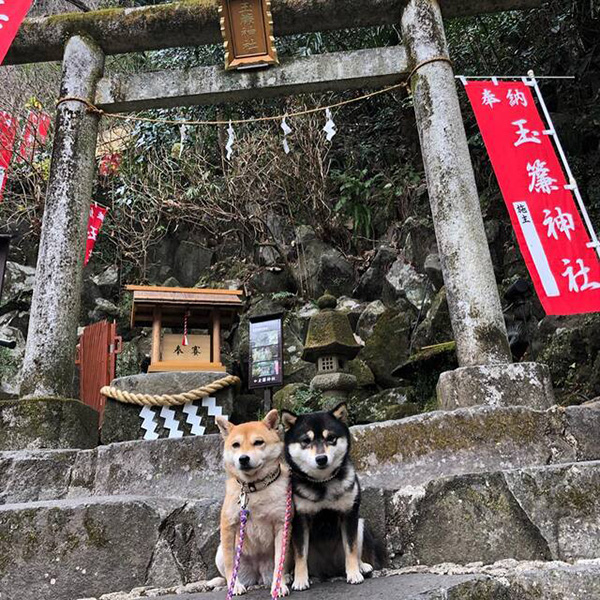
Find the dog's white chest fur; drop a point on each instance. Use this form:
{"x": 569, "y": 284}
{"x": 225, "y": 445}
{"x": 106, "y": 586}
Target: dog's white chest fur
{"x": 339, "y": 496}
{"x": 266, "y": 517}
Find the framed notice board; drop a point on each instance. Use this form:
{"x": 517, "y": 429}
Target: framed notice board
{"x": 266, "y": 351}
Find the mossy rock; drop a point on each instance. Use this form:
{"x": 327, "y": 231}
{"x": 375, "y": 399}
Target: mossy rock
{"x": 52, "y": 423}
{"x": 383, "y": 406}
{"x": 388, "y": 346}
{"x": 360, "y": 369}
{"x": 297, "y": 397}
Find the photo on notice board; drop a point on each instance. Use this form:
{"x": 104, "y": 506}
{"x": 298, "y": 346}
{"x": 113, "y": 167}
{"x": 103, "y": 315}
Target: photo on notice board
{"x": 266, "y": 352}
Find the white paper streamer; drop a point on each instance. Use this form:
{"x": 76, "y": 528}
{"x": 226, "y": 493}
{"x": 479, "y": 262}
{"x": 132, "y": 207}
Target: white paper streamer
{"x": 182, "y": 137}
{"x": 286, "y": 131}
{"x": 230, "y": 140}
{"x": 330, "y": 128}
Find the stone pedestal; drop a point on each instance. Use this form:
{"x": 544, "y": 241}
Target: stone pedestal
{"x": 334, "y": 387}
{"x": 123, "y": 422}
{"x": 520, "y": 384}
{"x": 51, "y": 423}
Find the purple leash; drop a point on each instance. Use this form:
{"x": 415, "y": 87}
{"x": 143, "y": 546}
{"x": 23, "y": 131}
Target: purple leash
{"x": 244, "y": 513}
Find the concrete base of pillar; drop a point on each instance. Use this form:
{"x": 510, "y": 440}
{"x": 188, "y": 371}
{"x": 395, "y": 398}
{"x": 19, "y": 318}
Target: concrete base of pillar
{"x": 51, "y": 423}
{"x": 519, "y": 384}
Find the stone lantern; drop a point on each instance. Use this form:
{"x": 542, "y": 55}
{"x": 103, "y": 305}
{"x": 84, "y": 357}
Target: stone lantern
{"x": 330, "y": 344}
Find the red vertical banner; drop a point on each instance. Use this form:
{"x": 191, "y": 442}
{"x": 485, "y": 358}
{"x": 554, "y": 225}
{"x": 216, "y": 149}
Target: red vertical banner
{"x": 8, "y": 132}
{"x": 555, "y": 244}
{"x": 34, "y": 134}
{"x": 12, "y": 13}
{"x": 95, "y": 220}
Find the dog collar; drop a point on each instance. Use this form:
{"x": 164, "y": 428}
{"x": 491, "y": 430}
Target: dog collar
{"x": 335, "y": 474}
{"x": 257, "y": 486}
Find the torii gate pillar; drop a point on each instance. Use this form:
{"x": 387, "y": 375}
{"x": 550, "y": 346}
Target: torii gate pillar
{"x": 486, "y": 375}
{"x": 49, "y": 362}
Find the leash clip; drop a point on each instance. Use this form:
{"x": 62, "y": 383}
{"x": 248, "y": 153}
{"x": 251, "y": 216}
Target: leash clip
{"x": 243, "y": 500}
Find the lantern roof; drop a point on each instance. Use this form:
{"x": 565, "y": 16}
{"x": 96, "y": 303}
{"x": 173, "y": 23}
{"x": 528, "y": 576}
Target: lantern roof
{"x": 329, "y": 333}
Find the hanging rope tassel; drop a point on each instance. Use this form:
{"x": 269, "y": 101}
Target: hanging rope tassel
{"x": 244, "y": 513}
{"x": 185, "y": 341}
{"x": 284, "y": 542}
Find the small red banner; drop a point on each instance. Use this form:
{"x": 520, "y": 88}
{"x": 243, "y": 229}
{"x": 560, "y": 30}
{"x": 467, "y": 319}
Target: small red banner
{"x": 8, "y": 132}
{"x": 95, "y": 220}
{"x": 12, "y": 13}
{"x": 34, "y": 134}
{"x": 551, "y": 234}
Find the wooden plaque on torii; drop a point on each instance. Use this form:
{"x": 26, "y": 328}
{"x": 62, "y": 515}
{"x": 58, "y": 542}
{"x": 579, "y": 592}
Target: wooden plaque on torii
{"x": 247, "y": 29}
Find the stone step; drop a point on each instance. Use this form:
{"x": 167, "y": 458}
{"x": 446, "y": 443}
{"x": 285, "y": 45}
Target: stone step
{"x": 410, "y": 451}
{"x": 84, "y": 547}
{"x": 508, "y": 580}
{"x": 536, "y": 513}
{"x": 89, "y": 546}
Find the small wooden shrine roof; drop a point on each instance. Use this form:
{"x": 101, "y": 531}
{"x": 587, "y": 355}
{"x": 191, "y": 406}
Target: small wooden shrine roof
{"x": 174, "y": 302}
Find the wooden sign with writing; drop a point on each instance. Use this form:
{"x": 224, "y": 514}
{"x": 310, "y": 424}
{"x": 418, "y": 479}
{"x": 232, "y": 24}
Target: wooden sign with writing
{"x": 247, "y": 28}
{"x": 197, "y": 350}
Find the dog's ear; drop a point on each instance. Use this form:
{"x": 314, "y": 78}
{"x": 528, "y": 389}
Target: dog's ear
{"x": 271, "y": 419}
{"x": 340, "y": 412}
{"x": 224, "y": 426}
{"x": 288, "y": 419}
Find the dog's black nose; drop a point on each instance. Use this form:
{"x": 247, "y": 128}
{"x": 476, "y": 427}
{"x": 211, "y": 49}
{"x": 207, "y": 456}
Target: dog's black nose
{"x": 321, "y": 460}
{"x": 244, "y": 460}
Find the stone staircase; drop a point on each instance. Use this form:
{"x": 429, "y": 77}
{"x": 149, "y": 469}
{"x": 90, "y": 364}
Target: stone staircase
{"x": 469, "y": 487}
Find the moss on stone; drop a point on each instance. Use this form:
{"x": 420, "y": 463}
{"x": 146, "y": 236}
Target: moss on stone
{"x": 419, "y": 436}
{"x": 96, "y": 532}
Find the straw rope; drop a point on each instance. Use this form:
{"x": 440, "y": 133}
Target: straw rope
{"x": 169, "y": 399}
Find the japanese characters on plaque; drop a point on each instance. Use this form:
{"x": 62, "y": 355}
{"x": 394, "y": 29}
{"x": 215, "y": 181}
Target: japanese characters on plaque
{"x": 554, "y": 241}
{"x": 266, "y": 352}
{"x": 247, "y": 29}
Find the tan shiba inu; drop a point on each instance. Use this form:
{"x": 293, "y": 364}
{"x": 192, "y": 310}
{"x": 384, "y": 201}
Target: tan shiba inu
{"x": 253, "y": 459}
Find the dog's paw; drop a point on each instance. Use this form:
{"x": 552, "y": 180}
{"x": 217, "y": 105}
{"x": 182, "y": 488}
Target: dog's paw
{"x": 284, "y": 590}
{"x": 365, "y": 568}
{"x": 354, "y": 577}
{"x": 239, "y": 589}
{"x": 301, "y": 584}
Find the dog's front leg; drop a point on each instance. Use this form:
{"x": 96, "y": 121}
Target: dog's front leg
{"x": 300, "y": 540}
{"x": 228, "y": 545}
{"x": 351, "y": 544}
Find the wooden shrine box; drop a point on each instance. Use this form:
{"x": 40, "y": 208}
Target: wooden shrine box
{"x": 207, "y": 310}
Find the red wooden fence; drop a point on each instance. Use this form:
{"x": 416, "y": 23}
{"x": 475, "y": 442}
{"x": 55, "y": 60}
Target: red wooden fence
{"x": 97, "y": 352}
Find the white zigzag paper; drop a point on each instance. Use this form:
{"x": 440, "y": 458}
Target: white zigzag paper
{"x": 213, "y": 409}
{"x": 168, "y": 414}
{"x": 194, "y": 419}
{"x": 148, "y": 423}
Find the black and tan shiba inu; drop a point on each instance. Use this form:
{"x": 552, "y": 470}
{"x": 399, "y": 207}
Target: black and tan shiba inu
{"x": 329, "y": 538}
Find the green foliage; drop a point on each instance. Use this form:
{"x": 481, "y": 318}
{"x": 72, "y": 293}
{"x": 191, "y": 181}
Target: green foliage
{"x": 282, "y": 295}
{"x": 356, "y": 195}
{"x": 306, "y": 401}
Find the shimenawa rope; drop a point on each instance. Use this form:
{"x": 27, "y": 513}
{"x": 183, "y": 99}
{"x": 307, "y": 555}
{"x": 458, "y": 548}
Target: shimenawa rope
{"x": 169, "y": 399}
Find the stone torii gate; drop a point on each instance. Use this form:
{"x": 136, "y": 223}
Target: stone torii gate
{"x": 485, "y": 376}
